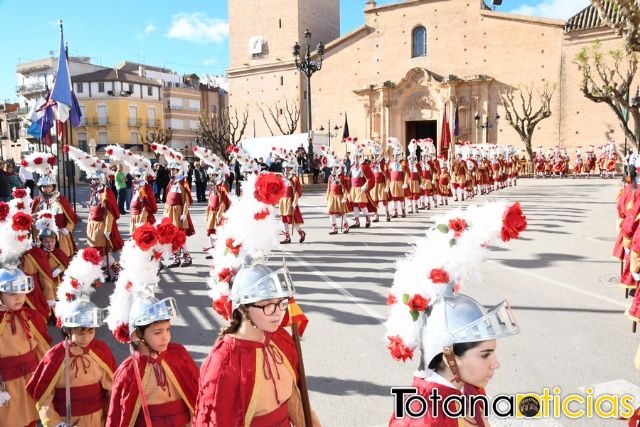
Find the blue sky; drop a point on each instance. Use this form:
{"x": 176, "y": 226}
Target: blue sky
{"x": 187, "y": 35}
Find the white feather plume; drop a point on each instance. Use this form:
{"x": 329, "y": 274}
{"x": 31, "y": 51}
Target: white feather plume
{"x": 81, "y": 278}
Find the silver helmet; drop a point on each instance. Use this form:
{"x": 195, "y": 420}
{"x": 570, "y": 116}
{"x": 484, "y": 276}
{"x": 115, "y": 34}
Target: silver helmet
{"x": 456, "y": 319}
{"x": 14, "y": 281}
{"x": 82, "y": 313}
{"x": 148, "y": 309}
{"x": 99, "y": 175}
{"x": 47, "y": 180}
{"x": 258, "y": 282}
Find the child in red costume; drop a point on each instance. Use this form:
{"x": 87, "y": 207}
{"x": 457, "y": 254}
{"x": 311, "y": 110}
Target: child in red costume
{"x": 90, "y": 362}
{"x": 250, "y": 378}
{"x": 157, "y": 385}
{"x": 23, "y": 343}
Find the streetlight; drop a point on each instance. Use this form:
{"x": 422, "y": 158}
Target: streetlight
{"x": 486, "y": 125}
{"x": 308, "y": 67}
{"x": 336, "y": 128}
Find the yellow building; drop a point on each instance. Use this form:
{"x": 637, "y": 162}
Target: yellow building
{"x": 117, "y": 108}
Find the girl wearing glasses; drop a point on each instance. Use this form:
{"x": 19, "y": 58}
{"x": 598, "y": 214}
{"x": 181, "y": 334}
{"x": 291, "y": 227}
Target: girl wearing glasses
{"x": 250, "y": 378}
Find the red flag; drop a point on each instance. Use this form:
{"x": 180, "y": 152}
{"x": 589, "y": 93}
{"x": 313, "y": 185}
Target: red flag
{"x": 294, "y": 314}
{"x": 445, "y": 132}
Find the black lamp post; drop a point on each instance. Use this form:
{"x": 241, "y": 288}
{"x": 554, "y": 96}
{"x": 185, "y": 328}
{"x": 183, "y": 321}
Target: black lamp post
{"x": 486, "y": 125}
{"x": 308, "y": 67}
{"x": 336, "y": 128}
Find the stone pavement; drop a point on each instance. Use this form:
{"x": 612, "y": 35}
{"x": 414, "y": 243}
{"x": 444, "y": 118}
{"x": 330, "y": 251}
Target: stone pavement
{"x": 559, "y": 277}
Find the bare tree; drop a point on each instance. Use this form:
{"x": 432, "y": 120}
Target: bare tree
{"x": 624, "y": 17}
{"x": 285, "y": 119}
{"x": 524, "y": 111}
{"x": 607, "y": 78}
{"x": 219, "y": 131}
{"x": 161, "y": 136}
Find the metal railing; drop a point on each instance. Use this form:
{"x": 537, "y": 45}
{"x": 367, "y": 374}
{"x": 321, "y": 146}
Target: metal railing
{"x": 153, "y": 123}
{"x": 33, "y": 87}
{"x": 134, "y": 122}
{"x": 101, "y": 121}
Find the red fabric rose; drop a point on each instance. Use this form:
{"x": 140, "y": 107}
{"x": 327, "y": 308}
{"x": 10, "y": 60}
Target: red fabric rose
{"x": 75, "y": 283}
{"x": 145, "y": 236}
{"x": 38, "y": 160}
{"x": 178, "y": 241}
{"x": 439, "y": 275}
{"x": 222, "y": 306}
{"x": 128, "y": 286}
{"x": 121, "y": 333}
{"x": 398, "y": 350}
{"x": 418, "y": 303}
{"x": 4, "y": 211}
{"x": 157, "y": 255}
{"x": 51, "y": 160}
{"x": 513, "y": 222}
{"x": 458, "y": 226}
{"x": 69, "y": 296}
{"x": 154, "y": 147}
{"x": 232, "y": 247}
{"x": 225, "y": 275}
{"x": 21, "y": 221}
{"x": 65, "y": 148}
{"x": 98, "y": 284}
{"x": 92, "y": 255}
{"x": 166, "y": 231}
{"x": 109, "y": 152}
{"x": 24, "y": 163}
{"x": 195, "y": 149}
{"x": 261, "y": 215}
{"x": 20, "y": 206}
{"x": 58, "y": 322}
{"x": 456, "y": 288}
{"x": 391, "y": 299}
{"x": 269, "y": 188}
{"x": 19, "y": 193}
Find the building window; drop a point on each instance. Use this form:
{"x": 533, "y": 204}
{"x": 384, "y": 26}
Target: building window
{"x": 79, "y": 87}
{"x": 281, "y": 80}
{"x": 279, "y": 23}
{"x": 133, "y": 138}
{"x": 101, "y": 87}
{"x": 419, "y": 42}
{"x": 150, "y": 90}
{"x": 130, "y": 88}
{"x": 103, "y": 138}
{"x": 214, "y": 109}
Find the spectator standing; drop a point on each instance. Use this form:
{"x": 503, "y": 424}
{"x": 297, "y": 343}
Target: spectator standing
{"x": 190, "y": 175}
{"x": 14, "y": 181}
{"x": 162, "y": 179}
{"x": 201, "y": 181}
{"x": 121, "y": 188}
{"x": 315, "y": 168}
{"x": 129, "y": 181}
{"x": 5, "y": 189}
{"x": 347, "y": 163}
{"x": 26, "y": 177}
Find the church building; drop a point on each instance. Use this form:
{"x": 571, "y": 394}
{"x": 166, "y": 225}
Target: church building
{"x": 393, "y": 75}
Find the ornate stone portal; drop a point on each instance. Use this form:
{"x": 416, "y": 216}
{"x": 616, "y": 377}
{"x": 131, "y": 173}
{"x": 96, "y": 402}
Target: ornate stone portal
{"x": 420, "y": 97}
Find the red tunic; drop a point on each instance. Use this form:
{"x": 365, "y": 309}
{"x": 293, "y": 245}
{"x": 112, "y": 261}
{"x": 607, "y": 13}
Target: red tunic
{"x": 52, "y": 366}
{"x": 228, "y": 379}
{"x": 107, "y": 202}
{"x": 145, "y": 202}
{"x": 180, "y": 369}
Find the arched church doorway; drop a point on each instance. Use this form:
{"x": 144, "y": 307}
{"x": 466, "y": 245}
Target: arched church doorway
{"x": 420, "y": 129}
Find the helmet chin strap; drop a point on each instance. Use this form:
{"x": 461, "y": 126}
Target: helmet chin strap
{"x": 142, "y": 340}
{"x": 450, "y": 358}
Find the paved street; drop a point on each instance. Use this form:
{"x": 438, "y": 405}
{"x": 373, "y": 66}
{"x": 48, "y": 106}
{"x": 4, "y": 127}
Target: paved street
{"x": 559, "y": 277}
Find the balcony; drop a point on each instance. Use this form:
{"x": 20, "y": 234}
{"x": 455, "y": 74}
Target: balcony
{"x": 31, "y": 88}
{"x": 153, "y": 124}
{"x": 83, "y": 121}
{"x": 23, "y": 111}
{"x": 101, "y": 121}
{"x": 135, "y": 123}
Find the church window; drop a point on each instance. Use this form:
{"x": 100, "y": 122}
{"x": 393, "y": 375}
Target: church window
{"x": 419, "y": 42}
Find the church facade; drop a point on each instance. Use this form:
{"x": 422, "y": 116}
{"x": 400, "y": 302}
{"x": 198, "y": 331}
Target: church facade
{"x": 393, "y": 75}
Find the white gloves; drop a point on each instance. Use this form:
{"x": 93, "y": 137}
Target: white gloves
{"x": 64, "y": 231}
{"x": 183, "y": 217}
{"x": 364, "y": 188}
{"x": 405, "y": 186}
{"x": 107, "y": 234}
{"x": 56, "y": 272}
{"x": 636, "y": 276}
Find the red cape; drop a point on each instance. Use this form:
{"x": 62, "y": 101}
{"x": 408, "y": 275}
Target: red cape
{"x": 64, "y": 204}
{"x": 150, "y": 203}
{"x": 41, "y": 258}
{"x": 125, "y": 388}
{"x": 110, "y": 204}
{"x": 61, "y": 256}
{"x": 191, "y": 231}
{"x": 49, "y": 366}
{"x": 36, "y": 320}
{"x": 227, "y": 379}
{"x": 36, "y": 298}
